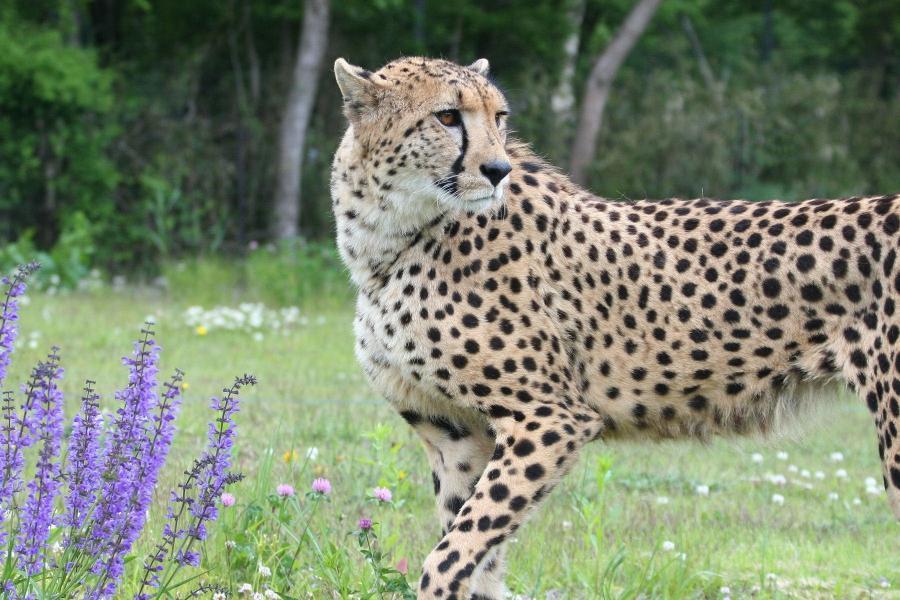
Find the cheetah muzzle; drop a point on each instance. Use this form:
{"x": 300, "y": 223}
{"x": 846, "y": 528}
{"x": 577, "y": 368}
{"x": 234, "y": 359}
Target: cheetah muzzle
{"x": 511, "y": 317}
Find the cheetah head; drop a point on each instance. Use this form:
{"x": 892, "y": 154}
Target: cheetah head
{"x": 430, "y": 134}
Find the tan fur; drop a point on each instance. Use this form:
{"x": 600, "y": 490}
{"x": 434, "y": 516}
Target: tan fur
{"x": 511, "y": 323}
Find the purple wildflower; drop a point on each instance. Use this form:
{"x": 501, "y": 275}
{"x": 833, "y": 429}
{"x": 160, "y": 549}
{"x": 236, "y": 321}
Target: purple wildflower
{"x": 284, "y": 489}
{"x": 129, "y": 476}
{"x": 321, "y": 486}
{"x": 365, "y": 524}
{"x": 37, "y": 514}
{"x": 84, "y": 468}
{"x": 9, "y": 313}
{"x": 194, "y": 505}
{"x": 17, "y": 433}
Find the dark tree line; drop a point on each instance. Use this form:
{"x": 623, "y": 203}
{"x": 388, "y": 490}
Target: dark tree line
{"x": 155, "y": 128}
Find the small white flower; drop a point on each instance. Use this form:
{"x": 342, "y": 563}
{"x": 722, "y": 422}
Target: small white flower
{"x": 792, "y": 469}
{"x": 312, "y": 453}
{"x": 219, "y": 596}
{"x": 837, "y": 457}
{"x": 820, "y": 475}
{"x": 771, "y": 576}
{"x": 702, "y": 490}
{"x": 257, "y": 596}
{"x": 782, "y": 455}
{"x": 258, "y": 336}
{"x": 884, "y": 583}
{"x": 778, "y": 499}
{"x": 777, "y": 479}
{"x": 668, "y": 546}
{"x": 567, "y": 525}
{"x": 870, "y": 482}
{"x": 833, "y": 496}
{"x": 245, "y": 588}
{"x": 662, "y": 500}
{"x": 264, "y": 571}
{"x": 841, "y": 474}
{"x": 873, "y": 491}
{"x": 231, "y": 544}
{"x": 56, "y": 548}
{"x": 725, "y": 590}
{"x": 857, "y": 501}
{"x": 272, "y": 594}
{"x": 756, "y": 457}
{"x": 805, "y": 473}
{"x": 32, "y": 344}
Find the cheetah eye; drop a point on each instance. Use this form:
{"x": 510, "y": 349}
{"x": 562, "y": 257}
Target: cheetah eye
{"x": 500, "y": 117}
{"x": 449, "y": 118}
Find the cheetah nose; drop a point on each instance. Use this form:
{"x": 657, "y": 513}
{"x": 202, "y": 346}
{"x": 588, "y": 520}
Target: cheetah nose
{"x": 495, "y": 170}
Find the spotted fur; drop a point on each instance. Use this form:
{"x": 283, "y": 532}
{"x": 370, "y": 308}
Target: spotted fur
{"x": 510, "y": 324}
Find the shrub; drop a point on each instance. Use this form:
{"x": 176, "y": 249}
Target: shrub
{"x": 69, "y": 531}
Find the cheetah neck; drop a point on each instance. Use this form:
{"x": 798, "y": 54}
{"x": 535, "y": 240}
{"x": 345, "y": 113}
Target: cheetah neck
{"x": 376, "y": 220}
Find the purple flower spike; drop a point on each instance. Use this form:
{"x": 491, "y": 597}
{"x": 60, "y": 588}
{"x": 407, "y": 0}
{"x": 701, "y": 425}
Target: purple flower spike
{"x": 84, "y": 469}
{"x": 9, "y": 313}
{"x": 37, "y": 514}
{"x": 17, "y": 433}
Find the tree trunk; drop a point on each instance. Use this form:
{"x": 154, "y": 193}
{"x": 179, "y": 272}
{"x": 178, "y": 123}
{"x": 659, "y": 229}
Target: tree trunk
{"x": 310, "y": 51}
{"x": 597, "y": 88}
{"x": 562, "y": 102}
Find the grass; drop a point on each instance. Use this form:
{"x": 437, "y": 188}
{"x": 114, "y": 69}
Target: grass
{"x": 602, "y": 533}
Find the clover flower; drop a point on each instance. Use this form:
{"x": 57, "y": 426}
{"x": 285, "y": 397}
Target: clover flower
{"x": 227, "y": 499}
{"x": 284, "y": 489}
{"x": 322, "y": 486}
{"x": 382, "y": 494}
{"x": 365, "y": 524}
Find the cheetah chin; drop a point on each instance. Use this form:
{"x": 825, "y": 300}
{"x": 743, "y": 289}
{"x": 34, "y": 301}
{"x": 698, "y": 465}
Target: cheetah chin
{"x": 511, "y": 316}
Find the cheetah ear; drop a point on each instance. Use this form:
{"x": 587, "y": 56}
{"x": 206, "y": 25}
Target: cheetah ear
{"x": 480, "y": 66}
{"x": 359, "y": 91}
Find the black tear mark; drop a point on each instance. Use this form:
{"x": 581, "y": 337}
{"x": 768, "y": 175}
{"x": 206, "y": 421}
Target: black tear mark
{"x": 449, "y": 183}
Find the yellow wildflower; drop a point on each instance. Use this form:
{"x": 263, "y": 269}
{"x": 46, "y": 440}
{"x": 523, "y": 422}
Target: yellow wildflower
{"x": 290, "y": 456}
{"x": 201, "y": 330}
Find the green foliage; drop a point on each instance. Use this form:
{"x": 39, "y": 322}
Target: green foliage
{"x": 158, "y": 120}
{"x": 53, "y": 133}
{"x": 299, "y": 273}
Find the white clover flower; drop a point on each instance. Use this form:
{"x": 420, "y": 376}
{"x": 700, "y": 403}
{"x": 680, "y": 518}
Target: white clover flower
{"x": 884, "y": 583}
{"x": 258, "y": 336}
{"x": 777, "y": 499}
{"x": 272, "y": 594}
{"x": 805, "y": 473}
{"x": 777, "y": 479}
{"x": 873, "y": 491}
{"x": 771, "y": 576}
{"x": 264, "y": 571}
{"x": 756, "y": 457}
{"x": 219, "y": 596}
{"x": 837, "y": 456}
{"x": 725, "y": 591}
{"x": 312, "y": 453}
{"x": 792, "y": 469}
{"x": 231, "y": 544}
{"x": 662, "y": 500}
{"x": 833, "y": 496}
{"x": 668, "y": 546}
{"x": 567, "y": 525}
{"x": 702, "y": 490}
{"x": 841, "y": 474}
{"x": 257, "y": 596}
{"x": 857, "y": 501}
{"x": 782, "y": 455}
{"x": 870, "y": 482}
{"x": 820, "y": 475}
{"x": 245, "y": 588}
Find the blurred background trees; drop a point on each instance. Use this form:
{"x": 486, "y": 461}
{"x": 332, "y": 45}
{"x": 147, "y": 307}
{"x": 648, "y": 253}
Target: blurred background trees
{"x": 135, "y": 131}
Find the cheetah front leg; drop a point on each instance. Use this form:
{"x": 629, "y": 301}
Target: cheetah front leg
{"x": 458, "y": 448}
{"x": 533, "y": 450}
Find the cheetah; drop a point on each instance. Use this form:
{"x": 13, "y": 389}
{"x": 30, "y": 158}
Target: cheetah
{"x": 511, "y": 316}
